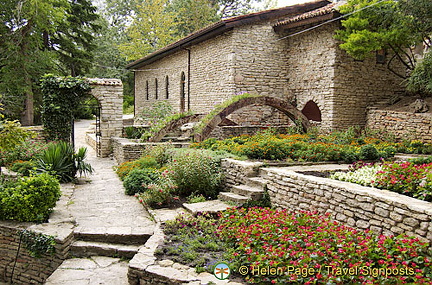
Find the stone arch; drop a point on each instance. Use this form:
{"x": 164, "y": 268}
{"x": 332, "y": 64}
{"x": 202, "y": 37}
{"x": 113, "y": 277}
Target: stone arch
{"x": 312, "y": 111}
{"x": 175, "y": 125}
{"x": 109, "y": 93}
{"x": 281, "y": 105}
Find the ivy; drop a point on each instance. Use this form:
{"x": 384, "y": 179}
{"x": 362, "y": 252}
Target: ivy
{"x": 61, "y": 96}
{"x": 37, "y": 243}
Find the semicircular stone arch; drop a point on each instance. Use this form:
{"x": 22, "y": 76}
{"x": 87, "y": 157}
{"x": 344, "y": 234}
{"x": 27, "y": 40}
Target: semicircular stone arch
{"x": 109, "y": 93}
{"x": 285, "y": 107}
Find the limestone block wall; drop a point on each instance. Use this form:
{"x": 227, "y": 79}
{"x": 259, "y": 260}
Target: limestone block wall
{"x": 402, "y": 125}
{"x": 171, "y": 68}
{"x": 310, "y": 64}
{"x": 233, "y": 131}
{"x": 359, "y": 84}
{"x": 381, "y": 211}
{"x": 126, "y": 150}
{"x": 28, "y": 269}
{"x": 109, "y": 93}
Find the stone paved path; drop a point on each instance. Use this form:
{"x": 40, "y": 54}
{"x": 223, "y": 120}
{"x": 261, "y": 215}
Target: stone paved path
{"x": 101, "y": 210}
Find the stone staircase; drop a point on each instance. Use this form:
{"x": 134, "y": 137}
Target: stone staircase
{"x": 109, "y": 245}
{"x": 178, "y": 139}
{"x": 252, "y": 189}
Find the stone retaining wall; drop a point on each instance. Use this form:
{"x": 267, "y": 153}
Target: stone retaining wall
{"x": 126, "y": 150}
{"x": 236, "y": 171}
{"x": 403, "y": 125}
{"x": 381, "y": 211}
{"x": 233, "y": 131}
{"x": 15, "y": 258}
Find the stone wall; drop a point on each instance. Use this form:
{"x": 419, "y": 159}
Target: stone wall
{"x": 109, "y": 93}
{"x": 126, "y": 150}
{"x": 381, "y": 211}
{"x": 236, "y": 171}
{"x": 310, "y": 63}
{"x": 15, "y": 258}
{"x": 233, "y": 131}
{"x": 359, "y": 84}
{"x": 402, "y": 125}
{"x": 171, "y": 68}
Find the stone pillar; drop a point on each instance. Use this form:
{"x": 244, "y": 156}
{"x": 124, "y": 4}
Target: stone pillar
{"x": 109, "y": 93}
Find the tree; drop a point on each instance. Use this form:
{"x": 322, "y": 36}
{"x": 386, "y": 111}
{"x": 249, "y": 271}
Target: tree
{"x": 229, "y": 8}
{"x": 152, "y": 28}
{"x": 398, "y": 26}
{"x": 38, "y": 37}
{"x": 192, "y": 15}
{"x": 73, "y": 39}
{"x": 22, "y": 56}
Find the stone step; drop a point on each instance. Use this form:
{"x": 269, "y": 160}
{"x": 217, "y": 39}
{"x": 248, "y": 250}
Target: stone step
{"x": 253, "y": 193}
{"x": 257, "y": 182}
{"x": 115, "y": 238}
{"x": 176, "y": 139}
{"x": 211, "y": 207}
{"x": 88, "y": 249}
{"x": 228, "y": 196}
{"x": 181, "y": 144}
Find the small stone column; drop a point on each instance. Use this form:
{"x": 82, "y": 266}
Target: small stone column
{"x": 109, "y": 93}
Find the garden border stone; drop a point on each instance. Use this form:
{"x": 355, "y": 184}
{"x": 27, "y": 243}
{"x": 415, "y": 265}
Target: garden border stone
{"x": 144, "y": 268}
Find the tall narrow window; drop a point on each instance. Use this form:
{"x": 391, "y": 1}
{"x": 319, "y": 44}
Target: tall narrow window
{"x": 182, "y": 92}
{"x": 147, "y": 90}
{"x": 166, "y": 87}
{"x": 156, "y": 89}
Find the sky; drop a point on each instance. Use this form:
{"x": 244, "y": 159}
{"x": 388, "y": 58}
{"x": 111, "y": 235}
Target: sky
{"x": 283, "y": 3}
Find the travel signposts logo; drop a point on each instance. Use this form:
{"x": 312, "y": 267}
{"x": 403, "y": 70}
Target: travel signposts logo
{"x": 222, "y": 271}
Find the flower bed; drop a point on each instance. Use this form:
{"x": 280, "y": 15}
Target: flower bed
{"x": 413, "y": 179}
{"x": 166, "y": 175}
{"x": 336, "y": 146}
{"x": 302, "y": 248}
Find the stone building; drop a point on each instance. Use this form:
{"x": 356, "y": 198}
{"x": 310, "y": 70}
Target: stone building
{"x": 290, "y": 53}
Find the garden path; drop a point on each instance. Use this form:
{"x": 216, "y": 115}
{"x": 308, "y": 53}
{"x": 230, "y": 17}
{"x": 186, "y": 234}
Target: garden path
{"x": 103, "y": 214}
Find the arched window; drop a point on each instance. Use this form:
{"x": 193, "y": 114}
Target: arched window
{"x": 312, "y": 111}
{"x": 156, "y": 89}
{"x": 182, "y": 92}
{"x": 147, "y": 91}
{"x": 166, "y": 87}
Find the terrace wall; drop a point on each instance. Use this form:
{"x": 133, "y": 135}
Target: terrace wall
{"x": 402, "y": 125}
{"x": 380, "y": 211}
{"x": 17, "y": 266}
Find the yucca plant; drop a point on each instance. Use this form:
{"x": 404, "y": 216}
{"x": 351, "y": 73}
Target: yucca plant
{"x": 81, "y": 166}
{"x": 60, "y": 160}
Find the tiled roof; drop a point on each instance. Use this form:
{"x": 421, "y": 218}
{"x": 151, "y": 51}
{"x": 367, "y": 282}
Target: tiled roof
{"x": 328, "y": 9}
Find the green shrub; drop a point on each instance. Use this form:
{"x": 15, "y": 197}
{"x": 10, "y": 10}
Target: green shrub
{"x": 421, "y": 160}
{"x": 158, "y": 195}
{"x": 369, "y": 152}
{"x": 29, "y": 199}
{"x": 138, "y": 180}
{"x": 28, "y": 150}
{"x": 125, "y": 168}
{"x": 23, "y": 167}
{"x": 196, "y": 172}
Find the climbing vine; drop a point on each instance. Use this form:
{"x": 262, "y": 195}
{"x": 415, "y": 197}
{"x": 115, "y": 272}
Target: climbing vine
{"x": 38, "y": 244}
{"x": 61, "y": 95}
